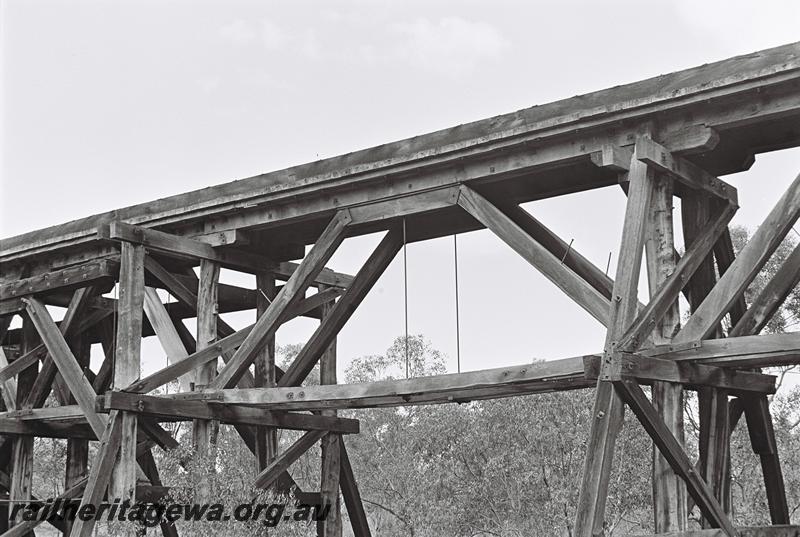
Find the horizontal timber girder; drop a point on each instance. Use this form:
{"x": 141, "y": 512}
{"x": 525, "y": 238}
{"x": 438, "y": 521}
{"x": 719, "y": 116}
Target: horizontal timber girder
{"x": 183, "y": 247}
{"x": 539, "y": 377}
{"x": 769, "y": 350}
{"x": 186, "y": 409}
{"x": 742, "y": 100}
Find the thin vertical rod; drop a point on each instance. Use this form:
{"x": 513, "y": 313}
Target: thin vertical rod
{"x": 458, "y": 321}
{"x": 405, "y": 290}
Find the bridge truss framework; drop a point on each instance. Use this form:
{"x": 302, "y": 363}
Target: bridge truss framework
{"x": 655, "y": 140}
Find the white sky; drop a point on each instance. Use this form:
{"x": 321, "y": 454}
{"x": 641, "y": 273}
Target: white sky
{"x": 107, "y": 104}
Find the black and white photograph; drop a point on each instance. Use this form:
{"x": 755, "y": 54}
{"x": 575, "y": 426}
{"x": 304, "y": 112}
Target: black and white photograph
{"x": 399, "y": 268}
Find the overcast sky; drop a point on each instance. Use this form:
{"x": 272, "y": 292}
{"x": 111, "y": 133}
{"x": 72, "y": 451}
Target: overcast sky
{"x": 107, "y": 104}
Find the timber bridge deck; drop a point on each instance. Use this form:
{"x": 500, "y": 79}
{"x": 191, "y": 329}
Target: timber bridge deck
{"x": 672, "y": 135}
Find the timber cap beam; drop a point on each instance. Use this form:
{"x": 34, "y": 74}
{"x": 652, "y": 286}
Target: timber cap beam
{"x": 188, "y": 248}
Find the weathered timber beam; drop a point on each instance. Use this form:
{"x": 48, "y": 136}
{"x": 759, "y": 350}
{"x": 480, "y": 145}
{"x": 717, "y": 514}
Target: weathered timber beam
{"x": 567, "y": 373}
{"x": 43, "y": 384}
{"x": 52, "y": 429}
{"x": 771, "y": 297}
{"x": 276, "y": 468}
{"x": 560, "y": 249}
{"x": 767, "y": 350}
{"x": 684, "y": 171}
{"x": 8, "y": 384}
{"x": 128, "y": 364}
{"x": 669, "y": 492}
{"x": 762, "y": 438}
{"x": 68, "y": 278}
{"x": 288, "y": 296}
{"x": 724, "y": 255}
{"x": 167, "y": 333}
{"x": 207, "y": 307}
{"x": 562, "y": 276}
{"x": 745, "y": 267}
{"x": 51, "y": 413}
{"x": 691, "y": 374}
{"x": 67, "y": 365}
{"x": 184, "y": 247}
{"x": 668, "y": 293}
{"x": 264, "y": 373}
{"x": 608, "y": 407}
{"x": 440, "y": 388}
{"x": 9, "y": 371}
{"x": 351, "y": 495}
{"x": 100, "y": 474}
{"x": 177, "y": 409}
{"x": 674, "y": 453}
{"x": 343, "y": 309}
{"x": 404, "y": 205}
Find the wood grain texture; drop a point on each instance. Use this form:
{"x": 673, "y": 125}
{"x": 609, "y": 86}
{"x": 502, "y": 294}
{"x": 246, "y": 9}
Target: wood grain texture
{"x": 127, "y": 364}
{"x": 608, "y": 408}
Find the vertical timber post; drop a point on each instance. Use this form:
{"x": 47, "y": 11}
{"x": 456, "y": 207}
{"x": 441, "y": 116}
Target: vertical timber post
{"x": 608, "y": 410}
{"x": 207, "y": 306}
{"x": 331, "y": 526}
{"x": 77, "y": 449}
{"x": 669, "y": 491}
{"x": 266, "y": 437}
{"x": 713, "y": 403}
{"x": 127, "y": 365}
{"x": 22, "y": 446}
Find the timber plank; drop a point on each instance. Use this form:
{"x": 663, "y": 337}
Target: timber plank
{"x": 171, "y": 408}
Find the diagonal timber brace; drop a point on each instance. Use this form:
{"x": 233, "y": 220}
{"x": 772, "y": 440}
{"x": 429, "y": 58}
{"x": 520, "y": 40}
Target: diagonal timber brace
{"x": 588, "y": 297}
{"x": 289, "y": 295}
{"x": 674, "y": 453}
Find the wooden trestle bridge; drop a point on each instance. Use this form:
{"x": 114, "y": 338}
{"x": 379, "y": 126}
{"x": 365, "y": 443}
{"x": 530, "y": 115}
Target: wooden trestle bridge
{"x": 673, "y": 135}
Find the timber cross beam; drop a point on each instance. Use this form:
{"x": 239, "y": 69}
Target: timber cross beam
{"x": 147, "y": 270}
